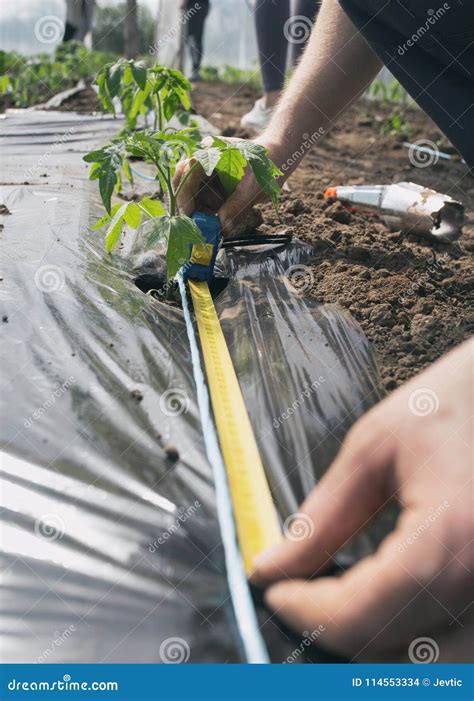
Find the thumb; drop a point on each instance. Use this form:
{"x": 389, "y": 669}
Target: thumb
{"x": 349, "y": 494}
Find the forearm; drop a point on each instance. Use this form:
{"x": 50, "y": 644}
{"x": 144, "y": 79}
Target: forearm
{"x": 335, "y": 69}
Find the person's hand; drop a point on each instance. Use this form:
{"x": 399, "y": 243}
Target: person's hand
{"x": 414, "y": 446}
{"x": 206, "y": 194}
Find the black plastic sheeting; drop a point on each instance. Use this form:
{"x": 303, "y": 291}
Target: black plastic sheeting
{"x": 111, "y": 550}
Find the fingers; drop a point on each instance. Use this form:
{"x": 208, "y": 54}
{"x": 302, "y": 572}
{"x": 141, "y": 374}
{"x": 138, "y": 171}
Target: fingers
{"x": 354, "y": 488}
{"x": 191, "y": 177}
{"x": 238, "y": 205}
{"x": 377, "y": 605}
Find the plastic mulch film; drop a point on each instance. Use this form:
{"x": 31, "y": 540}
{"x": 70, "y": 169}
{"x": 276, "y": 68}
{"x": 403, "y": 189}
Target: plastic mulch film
{"x": 111, "y": 550}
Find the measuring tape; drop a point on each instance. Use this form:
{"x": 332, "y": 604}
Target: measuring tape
{"x": 254, "y": 512}
{"x": 247, "y": 517}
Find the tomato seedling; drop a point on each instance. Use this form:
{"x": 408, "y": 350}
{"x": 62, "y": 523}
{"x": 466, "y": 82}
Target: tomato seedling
{"x": 164, "y": 92}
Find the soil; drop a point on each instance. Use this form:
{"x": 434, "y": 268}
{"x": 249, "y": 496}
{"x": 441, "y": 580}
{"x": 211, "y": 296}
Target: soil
{"x": 85, "y": 101}
{"x": 412, "y": 297}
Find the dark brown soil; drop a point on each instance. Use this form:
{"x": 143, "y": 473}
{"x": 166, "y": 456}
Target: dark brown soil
{"x": 413, "y": 298}
{"x": 85, "y": 101}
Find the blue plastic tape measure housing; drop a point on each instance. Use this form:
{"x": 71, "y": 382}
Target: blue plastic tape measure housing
{"x": 210, "y": 227}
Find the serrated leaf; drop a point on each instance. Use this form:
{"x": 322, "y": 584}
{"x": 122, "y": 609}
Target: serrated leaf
{"x": 133, "y": 215}
{"x": 153, "y": 208}
{"x": 208, "y": 158}
{"x": 183, "y": 231}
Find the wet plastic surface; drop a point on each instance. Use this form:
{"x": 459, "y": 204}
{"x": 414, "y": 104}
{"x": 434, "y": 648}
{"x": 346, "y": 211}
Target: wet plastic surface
{"x": 109, "y": 508}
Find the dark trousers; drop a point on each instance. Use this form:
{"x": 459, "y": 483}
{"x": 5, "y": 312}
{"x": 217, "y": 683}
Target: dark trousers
{"x": 195, "y": 30}
{"x": 281, "y": 36}
{"x": 429, "y": 47}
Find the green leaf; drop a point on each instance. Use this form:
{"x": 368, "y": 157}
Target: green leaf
{"x": 101, "y": 222}
{"x": 127, "y": 170}
{"x": 138, "y": 101}
{"x": 231, "y": 168}
{"x": 94, "y": 171}
{"x": 208, "y": 158}
{"x": 104, "y": 96}
{"x": 115, "y": 229}
{"x": 133, "y": 215}
{"x": 161, "y": 229}
{"x": 266, "y": 174}
{"x": 95, "y": 156}
{"x": 183, "y": 231}
{"x": 140, "y": 74}
{"x": 153, "y": 208}
{"x": 107, "y": 182}
{"x": 113, "y": 79}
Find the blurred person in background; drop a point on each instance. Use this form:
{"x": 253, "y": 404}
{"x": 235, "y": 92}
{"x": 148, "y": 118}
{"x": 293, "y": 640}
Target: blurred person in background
{"x": 79, "y": 16}
{"x": 283, "y": 28}
{"x": 195, "y": 14}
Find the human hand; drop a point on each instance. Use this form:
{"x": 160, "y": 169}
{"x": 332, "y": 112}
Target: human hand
{"x": 199, "y": 192}
{"x": 414, "y": 446}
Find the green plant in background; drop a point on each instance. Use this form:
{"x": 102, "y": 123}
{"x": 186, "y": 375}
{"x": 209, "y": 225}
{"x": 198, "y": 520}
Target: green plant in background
{"x": 164, "y": 93}
{"x": 389, "y": 93}
{"x": 143, "y": 90}
{"x": 233, "y": 76}
{"x": 29, "y": 81}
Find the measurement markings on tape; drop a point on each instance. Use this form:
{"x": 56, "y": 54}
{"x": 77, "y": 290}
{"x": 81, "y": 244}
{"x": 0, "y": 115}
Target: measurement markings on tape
{"x": 255, "y": 515}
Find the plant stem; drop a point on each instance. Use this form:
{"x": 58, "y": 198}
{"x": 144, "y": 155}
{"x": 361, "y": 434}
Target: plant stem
{"x": 160, "y": 113}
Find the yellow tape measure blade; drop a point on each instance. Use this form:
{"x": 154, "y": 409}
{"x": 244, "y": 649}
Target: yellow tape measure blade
{"x": 255, "y": 515}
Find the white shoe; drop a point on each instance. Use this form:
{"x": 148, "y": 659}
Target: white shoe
{"x": 258, "y": 117}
